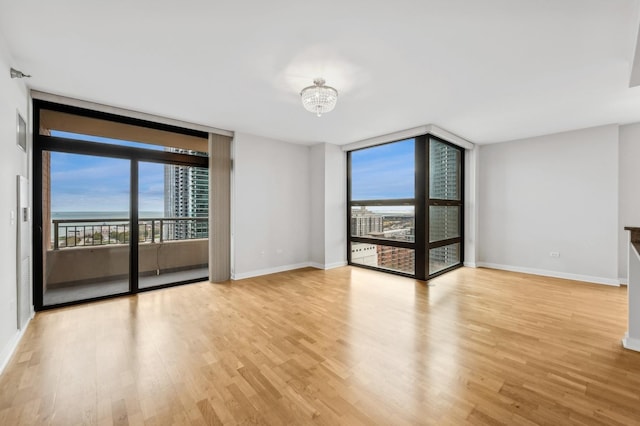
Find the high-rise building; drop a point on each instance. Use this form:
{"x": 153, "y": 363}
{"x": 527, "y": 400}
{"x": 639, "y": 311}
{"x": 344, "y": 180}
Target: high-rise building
{"x": 396, "y": 258}
{"x": 186, "y": 195}
{"x": 364, "y": 222}
{"x": 383, "y": 226}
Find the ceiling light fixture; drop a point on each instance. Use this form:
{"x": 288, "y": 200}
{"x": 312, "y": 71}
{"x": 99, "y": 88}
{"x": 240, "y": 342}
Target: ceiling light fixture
{"x": 319, "y": 98}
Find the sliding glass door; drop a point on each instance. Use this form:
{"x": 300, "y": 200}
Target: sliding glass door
{"x": 173, "y": 237}
{"x": 86, "y": 226}
{"x": 115, "y": 216}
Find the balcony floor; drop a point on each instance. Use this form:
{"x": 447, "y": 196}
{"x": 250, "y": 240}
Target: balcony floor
{"x": 61, "y": 295}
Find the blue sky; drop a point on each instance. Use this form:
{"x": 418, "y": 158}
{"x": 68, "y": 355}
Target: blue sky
{"x": 89, "y": 184}
{"x": 384, "y": 172}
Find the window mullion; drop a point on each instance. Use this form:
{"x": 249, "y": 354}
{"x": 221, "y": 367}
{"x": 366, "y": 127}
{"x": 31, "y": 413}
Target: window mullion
{"x": 421, "y": 208}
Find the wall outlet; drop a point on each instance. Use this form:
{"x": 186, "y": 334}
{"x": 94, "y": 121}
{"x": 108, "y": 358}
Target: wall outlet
{"x": 554, "y": 254}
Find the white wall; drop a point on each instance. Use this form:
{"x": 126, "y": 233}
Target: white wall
{"x": 272, "y": 206}
{"x": 551, "y": 193}
{"x": 629, "y": 193}
{"x": 13, "y": 161}
{"x": 317, "y": 192}
{"x": 471, "y": 206}
{"x": 335, "y": 223}
{"x": 328, "y": 206}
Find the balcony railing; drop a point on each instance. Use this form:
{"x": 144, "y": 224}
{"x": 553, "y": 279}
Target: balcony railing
{"x": 99, "y": 232}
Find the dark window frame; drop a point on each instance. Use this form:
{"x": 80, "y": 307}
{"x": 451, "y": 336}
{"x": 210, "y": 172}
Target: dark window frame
{"x": 135, "y": 155}
{"x": 421, "y": 203}
{"x": 442, "y": 202}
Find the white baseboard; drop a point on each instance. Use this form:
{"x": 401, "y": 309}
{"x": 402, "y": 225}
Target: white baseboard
{"x": 623, "y": 281}
{"x": 284, "y": 268}
{"x": 554, "y": 274}
{"x": 267, "y": 271}
{"x": 12, "y": 344}
{"x": 335, "y": 265}
{"x": 470, "y": 264}
{"x": 631, "y": 343}
{"x": 327, "y": 266}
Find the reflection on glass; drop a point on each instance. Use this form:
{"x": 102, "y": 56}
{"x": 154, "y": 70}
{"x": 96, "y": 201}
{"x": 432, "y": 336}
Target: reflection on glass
{"x": 86, "y": 226}
{"x": 443, "y": 257}
{"x": 388, "y": 222}
{"x": 385, "y": 257}
{"x": 443, "y": 222}
{"x": 444, "y": 171}
{"x": 384, "y": 172}
{"x": 173, "y": 226}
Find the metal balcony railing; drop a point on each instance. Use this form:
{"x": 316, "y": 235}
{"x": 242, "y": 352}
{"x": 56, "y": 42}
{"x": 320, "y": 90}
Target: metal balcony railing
{"x": 99, "y": 232}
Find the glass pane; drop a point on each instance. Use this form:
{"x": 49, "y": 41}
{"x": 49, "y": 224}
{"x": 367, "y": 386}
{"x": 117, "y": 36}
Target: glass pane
{"x": 85, "y": 226}
{"x": 443, "y": 257}
{"x": 385, "y": 257}
{"x": 443, "y": 222}
{"x": 384, "y": 172}
{"x": 173, "y": 227}
{"x": 444, "y": 171}
{"x": 388, "y": 222}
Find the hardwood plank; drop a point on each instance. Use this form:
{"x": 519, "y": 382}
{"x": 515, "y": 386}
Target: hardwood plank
{"x": 345, "y": 346}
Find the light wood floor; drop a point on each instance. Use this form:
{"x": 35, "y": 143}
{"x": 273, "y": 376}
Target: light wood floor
{"x": 345, "y": 346}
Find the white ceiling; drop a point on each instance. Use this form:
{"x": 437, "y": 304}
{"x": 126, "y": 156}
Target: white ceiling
{"x": 487, "y": 70}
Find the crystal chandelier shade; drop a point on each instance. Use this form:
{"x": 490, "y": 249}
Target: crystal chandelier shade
{"x": 319, "y": 98}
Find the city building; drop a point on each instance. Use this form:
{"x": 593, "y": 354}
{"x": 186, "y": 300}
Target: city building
{"x": 364, "y": 254}
{"x": 186, "y": 195}
{"x": 364, "y": 222}
{"x": 396, "y": 258}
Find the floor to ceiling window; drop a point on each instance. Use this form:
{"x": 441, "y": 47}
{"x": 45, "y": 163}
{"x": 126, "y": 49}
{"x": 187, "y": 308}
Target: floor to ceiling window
{"x": 382, "y": 207}
{"x": 119, "y": 207}
{"x": 405, "y": 203}
{"x": 445, "y": 206}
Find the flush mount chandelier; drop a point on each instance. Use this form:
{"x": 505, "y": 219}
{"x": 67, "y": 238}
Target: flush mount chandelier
{"x": 319, "y": 98}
